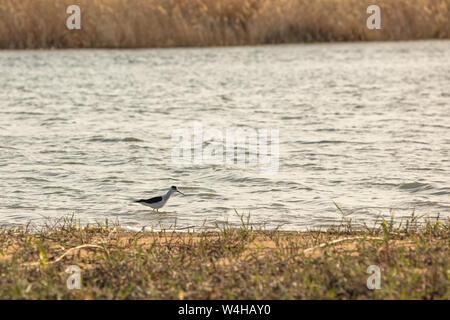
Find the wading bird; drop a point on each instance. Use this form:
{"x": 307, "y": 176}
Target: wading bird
{"x": 159, "y": 202}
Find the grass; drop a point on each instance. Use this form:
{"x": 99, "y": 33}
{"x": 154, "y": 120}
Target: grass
{"x": 167, "y": 23}
{"x": 229, "y": 263}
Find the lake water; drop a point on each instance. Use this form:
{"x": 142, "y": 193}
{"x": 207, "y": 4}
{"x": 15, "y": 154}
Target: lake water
{"x": 365, "y": 125}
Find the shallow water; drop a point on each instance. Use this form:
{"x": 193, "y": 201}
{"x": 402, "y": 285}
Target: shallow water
{"x": 365, "y": 125}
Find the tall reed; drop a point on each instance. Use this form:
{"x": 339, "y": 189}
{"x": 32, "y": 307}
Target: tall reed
{"x": 166, "y": 23}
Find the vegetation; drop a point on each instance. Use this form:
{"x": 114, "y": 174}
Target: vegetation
{"x": 229, "y": 263}
{"x": 167, "y": 23}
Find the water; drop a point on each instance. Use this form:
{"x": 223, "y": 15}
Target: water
{"x": 365, "y": 125}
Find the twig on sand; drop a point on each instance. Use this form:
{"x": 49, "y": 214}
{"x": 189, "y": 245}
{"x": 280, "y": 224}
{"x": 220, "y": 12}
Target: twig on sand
{"x": 84, "y": 246}
{"x": 322, "y": 245}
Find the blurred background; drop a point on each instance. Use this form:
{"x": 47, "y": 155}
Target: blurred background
{"x": 167, "y": 23}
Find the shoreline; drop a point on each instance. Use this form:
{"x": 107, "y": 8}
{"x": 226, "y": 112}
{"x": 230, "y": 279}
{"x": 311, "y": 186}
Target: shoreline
{"x": 232, "y": 263}
{"x": 231, "y": 47}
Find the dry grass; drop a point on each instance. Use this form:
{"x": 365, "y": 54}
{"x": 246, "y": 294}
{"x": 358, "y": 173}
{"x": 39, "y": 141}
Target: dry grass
{"x": 230, "y": 263}
{"x": 166, "y": 23}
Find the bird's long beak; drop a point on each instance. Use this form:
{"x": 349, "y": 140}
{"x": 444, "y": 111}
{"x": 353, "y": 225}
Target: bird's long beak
{"x": 181, "y": 192}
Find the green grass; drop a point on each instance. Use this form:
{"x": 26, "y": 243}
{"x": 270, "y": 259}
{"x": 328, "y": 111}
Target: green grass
{"x": 230, "y": 263}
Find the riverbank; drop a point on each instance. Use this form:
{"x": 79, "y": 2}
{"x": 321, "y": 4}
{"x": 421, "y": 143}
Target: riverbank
{"x": 29, "y": 24}
{"x": 230, "y": 263}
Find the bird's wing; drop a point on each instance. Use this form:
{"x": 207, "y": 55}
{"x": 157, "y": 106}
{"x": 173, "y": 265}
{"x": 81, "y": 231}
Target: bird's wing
{"x": 152, "y": 200}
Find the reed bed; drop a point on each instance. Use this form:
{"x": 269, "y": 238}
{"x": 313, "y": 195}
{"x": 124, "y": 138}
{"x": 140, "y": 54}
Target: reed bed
{"x": 167, "y": 23}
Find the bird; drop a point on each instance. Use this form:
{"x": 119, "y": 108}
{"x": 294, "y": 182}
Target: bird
{"x": 159, "y": 202}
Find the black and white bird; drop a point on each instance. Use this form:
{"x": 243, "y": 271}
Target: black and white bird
{"x": 159, "y": 202}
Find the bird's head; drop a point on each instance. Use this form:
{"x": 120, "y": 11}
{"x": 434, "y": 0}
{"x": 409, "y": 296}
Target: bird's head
{"x": 174, "y": 189}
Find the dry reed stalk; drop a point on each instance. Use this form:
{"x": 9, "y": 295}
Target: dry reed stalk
{"x": 165, "y": 23}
